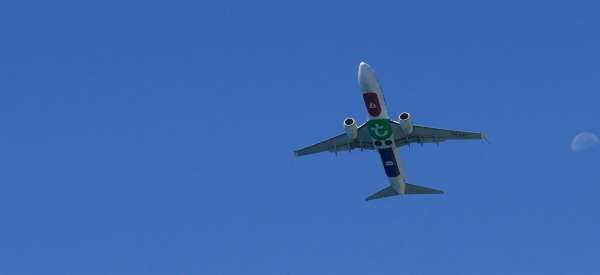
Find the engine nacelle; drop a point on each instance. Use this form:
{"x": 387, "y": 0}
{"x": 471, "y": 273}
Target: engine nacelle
{"x": 405, "y": 121}
{"x": 350, "y": 128}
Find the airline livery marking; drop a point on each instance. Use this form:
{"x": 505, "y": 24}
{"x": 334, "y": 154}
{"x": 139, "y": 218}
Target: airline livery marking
{"x": 372, "y": 103}
{"x": 389, "y": 162}
{"x": 379, "y": 129}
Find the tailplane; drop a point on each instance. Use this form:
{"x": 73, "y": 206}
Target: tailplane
{"x": 421, "y": 190}
{"x": 411, "y": 189}
{"x": 383, "y": 193}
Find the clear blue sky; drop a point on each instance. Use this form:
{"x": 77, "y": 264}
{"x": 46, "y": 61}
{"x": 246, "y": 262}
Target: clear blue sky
{"x": 156, "y": 137}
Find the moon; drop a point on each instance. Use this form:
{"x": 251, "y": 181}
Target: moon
{"x": 584, "y": 141}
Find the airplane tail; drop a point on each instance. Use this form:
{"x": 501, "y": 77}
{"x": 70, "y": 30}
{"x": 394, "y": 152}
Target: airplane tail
{"x": 411, "y": 189}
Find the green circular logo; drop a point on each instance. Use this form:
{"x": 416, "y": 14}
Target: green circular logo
{"x": 379, "y": 129}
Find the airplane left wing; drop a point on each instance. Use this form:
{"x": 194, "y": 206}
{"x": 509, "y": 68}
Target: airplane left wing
{"x": 421, "y": 134}
{"x": 339, "y": 143}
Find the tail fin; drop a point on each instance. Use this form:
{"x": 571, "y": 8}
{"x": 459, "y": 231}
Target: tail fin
{"x": 411, "y": 189}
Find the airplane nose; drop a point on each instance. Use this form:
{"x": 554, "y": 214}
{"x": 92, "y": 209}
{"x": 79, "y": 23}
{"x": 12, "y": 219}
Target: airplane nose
{"x": 366, "y": 78}
{"x": 363, "y": 66}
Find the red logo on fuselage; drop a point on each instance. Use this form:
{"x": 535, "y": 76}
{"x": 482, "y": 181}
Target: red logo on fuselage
{"x": 372, "y": 103}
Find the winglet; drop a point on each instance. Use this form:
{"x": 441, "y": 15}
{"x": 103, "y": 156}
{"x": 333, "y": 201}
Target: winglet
{"x": 484, "y": 137}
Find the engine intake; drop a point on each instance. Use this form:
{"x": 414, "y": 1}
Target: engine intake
{"x": 351, "y": 128}
{"x": 405, "y": 121}
{"x": 348, "y": 121}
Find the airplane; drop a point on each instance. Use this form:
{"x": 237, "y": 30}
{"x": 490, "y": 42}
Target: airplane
{"x": 385, "y": 135}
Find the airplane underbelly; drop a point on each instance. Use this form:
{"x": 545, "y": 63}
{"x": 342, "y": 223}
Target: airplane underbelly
{"x": 382, "y": 137}
{"x": 392, "y": 165}
{"x": 390, "y": 162}
{"x": 379, "y": 127}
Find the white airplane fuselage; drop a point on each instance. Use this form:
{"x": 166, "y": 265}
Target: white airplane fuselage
{"x": 379, "y": 127}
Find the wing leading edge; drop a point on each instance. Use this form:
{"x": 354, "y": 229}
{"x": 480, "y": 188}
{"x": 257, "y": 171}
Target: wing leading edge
{"x": 339, "y": 143}
{"x": 421, "y": 134}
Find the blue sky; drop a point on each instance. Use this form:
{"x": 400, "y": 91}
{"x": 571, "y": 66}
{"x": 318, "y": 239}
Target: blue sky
{"x": 156, "y": 137}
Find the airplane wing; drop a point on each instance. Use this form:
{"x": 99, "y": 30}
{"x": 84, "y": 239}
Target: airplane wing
{"x": 423, "y": 134}
{"x": 339, "y": 143}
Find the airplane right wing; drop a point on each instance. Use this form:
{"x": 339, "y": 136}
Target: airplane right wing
{"x": 339, "y": 143}
{"x": 421, "y": 134}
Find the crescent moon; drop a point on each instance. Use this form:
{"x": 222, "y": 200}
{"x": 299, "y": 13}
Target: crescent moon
{"x": 583, "y": 141}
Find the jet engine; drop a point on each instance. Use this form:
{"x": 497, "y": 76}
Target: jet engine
{"x": 405, "y": 121}
{"x": 350, "y": 128}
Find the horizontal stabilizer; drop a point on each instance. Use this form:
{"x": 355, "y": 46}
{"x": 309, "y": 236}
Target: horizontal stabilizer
{"x": 411, "y": 189}
{"x": 383, "y": 193}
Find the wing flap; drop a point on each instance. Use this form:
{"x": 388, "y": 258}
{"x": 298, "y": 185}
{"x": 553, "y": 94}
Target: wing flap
{"x": 443, "y": 133}
{"x": 421, "y": 134}
{"x": 339, "y": 143}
